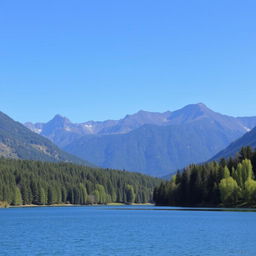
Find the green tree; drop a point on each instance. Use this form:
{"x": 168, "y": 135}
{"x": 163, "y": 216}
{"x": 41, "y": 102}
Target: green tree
{"x": 113, "y": 196}
{"x": 42, "y": 196}
{"x": 102, "y": 196}
{"x": 226, "y": 172}
{"x": 26, "y": 194}
{"x": 250, "y": 191}
{"x": 130, "y": 195}
{"x": 17, "y": 198}
{"x": 83, "y": 194}
{"x": 96, "y": 197}
{"x": 229, "y": 191}
{"x": 52, "y": 196}
{"x": 245, "y": 153}
{"x": 243, "y": 172}
{"x": 54, "y": 183}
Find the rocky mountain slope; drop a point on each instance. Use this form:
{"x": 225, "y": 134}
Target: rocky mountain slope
{"x": 16, "y": 141}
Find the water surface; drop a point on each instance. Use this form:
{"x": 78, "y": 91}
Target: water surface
{"x": 126, "y": 230}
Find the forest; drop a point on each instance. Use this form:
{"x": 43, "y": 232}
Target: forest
{"x": 26, "y": 182}
{"x": 227, "y": 183}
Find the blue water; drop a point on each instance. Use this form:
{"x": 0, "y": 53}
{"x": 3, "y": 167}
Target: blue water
{"x": 126, "y": 230}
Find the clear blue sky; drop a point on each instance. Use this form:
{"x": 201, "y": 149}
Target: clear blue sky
{"x": 104, "y": 59}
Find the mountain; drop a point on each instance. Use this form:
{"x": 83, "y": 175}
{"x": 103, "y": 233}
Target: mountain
{"x": 16, "y": 141}
{"x": 249, "y": 139}
{"x": 248, "y": 122}
{"x": 62, "y": 132}
{"x": 195, "y": 112}
{"x": 155, "y": 150}
{"x": 132, "y": 122}
{"x": 148, "y": 142}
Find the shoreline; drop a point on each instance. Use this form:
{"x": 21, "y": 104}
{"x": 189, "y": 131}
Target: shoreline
{"x": 74, "y": 205}
{"x": 170, "y": 208}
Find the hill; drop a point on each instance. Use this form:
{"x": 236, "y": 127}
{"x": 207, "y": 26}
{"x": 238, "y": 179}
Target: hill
{"x": 16, "y": 141}
{"x": 249, "y": 139}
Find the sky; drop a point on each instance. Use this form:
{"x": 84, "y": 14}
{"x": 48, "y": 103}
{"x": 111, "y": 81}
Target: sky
{"x": 98, "y": 60}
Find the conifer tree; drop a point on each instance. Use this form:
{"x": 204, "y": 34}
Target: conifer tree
{"x": 18, "y": 198}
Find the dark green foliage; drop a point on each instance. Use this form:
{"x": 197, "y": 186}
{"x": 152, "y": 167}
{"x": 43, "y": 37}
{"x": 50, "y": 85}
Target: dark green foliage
{"x": 226, "y": 183}
{"x": 32, "y": 182}
{"x": 129, "y": 194}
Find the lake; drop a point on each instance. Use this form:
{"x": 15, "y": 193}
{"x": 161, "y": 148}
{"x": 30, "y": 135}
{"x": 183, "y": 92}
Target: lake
{"x": 126, "y": 230}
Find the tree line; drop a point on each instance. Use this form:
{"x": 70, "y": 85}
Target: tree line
{"x": 229, "y": 182}
{"x": 25, "y": 182}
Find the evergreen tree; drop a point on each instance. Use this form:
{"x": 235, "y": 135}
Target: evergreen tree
{"x": 228, "y": 182}
{"x": 83, "y": 194}
{"x": 130, "y": 195}
{"x": 42, "y": 200}
{"x": 32, "y": 182}
{"x": 18, "y": 198}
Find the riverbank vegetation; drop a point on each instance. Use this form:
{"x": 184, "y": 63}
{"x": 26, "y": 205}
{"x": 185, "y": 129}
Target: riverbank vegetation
{"x": 228, "y": 183}
{"x": 24, "y": 182}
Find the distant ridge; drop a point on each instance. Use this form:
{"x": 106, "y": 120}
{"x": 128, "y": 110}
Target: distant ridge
{"x": 148, "y": 142}
{"x": 249, "y": 139}
{"x": 62, "y": 131}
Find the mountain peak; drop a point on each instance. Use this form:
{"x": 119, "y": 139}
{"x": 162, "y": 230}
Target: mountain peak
{"x": 190, "y": 113}
{"x": 60, "y": 119}
{"x": 58, "y": 116}
{"x": 201, "y": 105}
{"x": 197, "y": 106}
{"x": 58, "y": 122}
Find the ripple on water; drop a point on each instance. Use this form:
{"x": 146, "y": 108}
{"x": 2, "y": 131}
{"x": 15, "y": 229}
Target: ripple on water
{"x": 126, "y": 231}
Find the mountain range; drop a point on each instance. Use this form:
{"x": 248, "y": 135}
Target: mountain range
{"x": 148, "y": 142}
{"x": 16, "y": 141}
